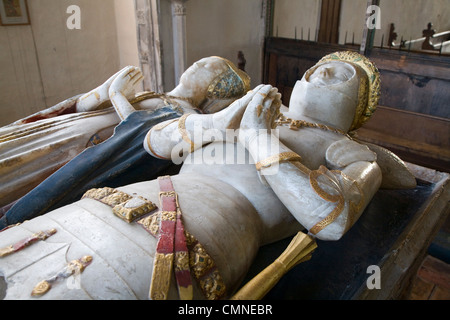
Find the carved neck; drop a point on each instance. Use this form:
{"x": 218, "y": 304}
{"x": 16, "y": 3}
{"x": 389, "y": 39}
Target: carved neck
{"x": 294, "y": 124}
{"x": 332, "y": 105}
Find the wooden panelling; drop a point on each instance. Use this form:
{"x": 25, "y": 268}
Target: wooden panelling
{"x": 414, "y": 82}
{"x": 329, "y": 21}
{"x": 415, "y": 137}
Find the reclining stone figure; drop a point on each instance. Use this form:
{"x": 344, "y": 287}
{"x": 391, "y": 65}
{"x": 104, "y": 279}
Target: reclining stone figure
{"x": 200, "y": 230}
{"x": 35, "y": 147}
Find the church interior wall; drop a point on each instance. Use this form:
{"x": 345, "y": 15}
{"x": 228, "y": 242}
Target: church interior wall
{"x": 223, "y": 28}
{"x": 291, "y": 16}
{"x": 126, "y": 33}
{"x": 410, "y": 17}
{"x": 216, "y": 28}
{"x": 45, "y": 62}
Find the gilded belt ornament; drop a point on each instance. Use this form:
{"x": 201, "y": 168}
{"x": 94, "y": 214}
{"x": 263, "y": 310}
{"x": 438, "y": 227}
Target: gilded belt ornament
{"x": 182, "y": 261}
{"x": 195, "y": 260}
{"x": 162, "y": 271}
{"x": 125, "y": 206}
{"x": 171, "y": 246}
{"x": 201, "y": 264}
{"x": 74, "y": 267}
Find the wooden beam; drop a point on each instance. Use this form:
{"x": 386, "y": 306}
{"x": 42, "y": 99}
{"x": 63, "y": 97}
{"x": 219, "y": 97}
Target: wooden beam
{"x": 179, "y": 37}
{"x": 329, "y": 21}
{"x": 149, "y": 44}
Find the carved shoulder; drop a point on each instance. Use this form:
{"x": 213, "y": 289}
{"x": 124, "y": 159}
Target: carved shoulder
{"x": 344, "y": 152}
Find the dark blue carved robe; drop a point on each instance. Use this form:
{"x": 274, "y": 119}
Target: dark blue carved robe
{"x": 118, "y": 161}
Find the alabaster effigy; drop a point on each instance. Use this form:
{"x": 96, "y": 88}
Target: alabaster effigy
{"x": 33, "y": 148}
{"x": 253, "y": 173}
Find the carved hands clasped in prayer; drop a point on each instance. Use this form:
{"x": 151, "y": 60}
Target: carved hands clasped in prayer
{"x": 324, "y": 178}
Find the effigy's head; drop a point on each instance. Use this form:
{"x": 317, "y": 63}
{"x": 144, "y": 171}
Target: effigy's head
{"x": 342, "y": 89}
{"x": 214, "y": 83}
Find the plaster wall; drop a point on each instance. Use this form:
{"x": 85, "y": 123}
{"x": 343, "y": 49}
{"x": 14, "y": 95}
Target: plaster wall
{"x": 45, "y": 62}
{"x": 409, "y": 16}
{"x": 222, "y": 28}
{"x": 291, "y": 16}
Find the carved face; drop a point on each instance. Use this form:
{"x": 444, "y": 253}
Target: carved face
{"x": 331, "y": 73}
{"x": 327, "y": 93}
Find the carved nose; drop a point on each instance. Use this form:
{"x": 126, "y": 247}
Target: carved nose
{"x": 326, "y": 72}
{"x": 200, "y": 64}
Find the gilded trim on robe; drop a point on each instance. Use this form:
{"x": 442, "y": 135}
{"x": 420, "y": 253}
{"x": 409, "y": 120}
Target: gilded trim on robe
{"x": 278, "y": 158}
{"x": 201, "y": 264}
{"x": 42, "y": 235}
{"x": 183, "y": 132}
{"x": 73, "y": 267}
{"x": 126, "y": 207}
{"x": 337, "y": 198}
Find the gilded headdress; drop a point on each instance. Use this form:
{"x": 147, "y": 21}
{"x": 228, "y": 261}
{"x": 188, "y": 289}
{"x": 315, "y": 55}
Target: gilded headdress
{"x": 232, "y": 83}
{"x": 369, "y": 88}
